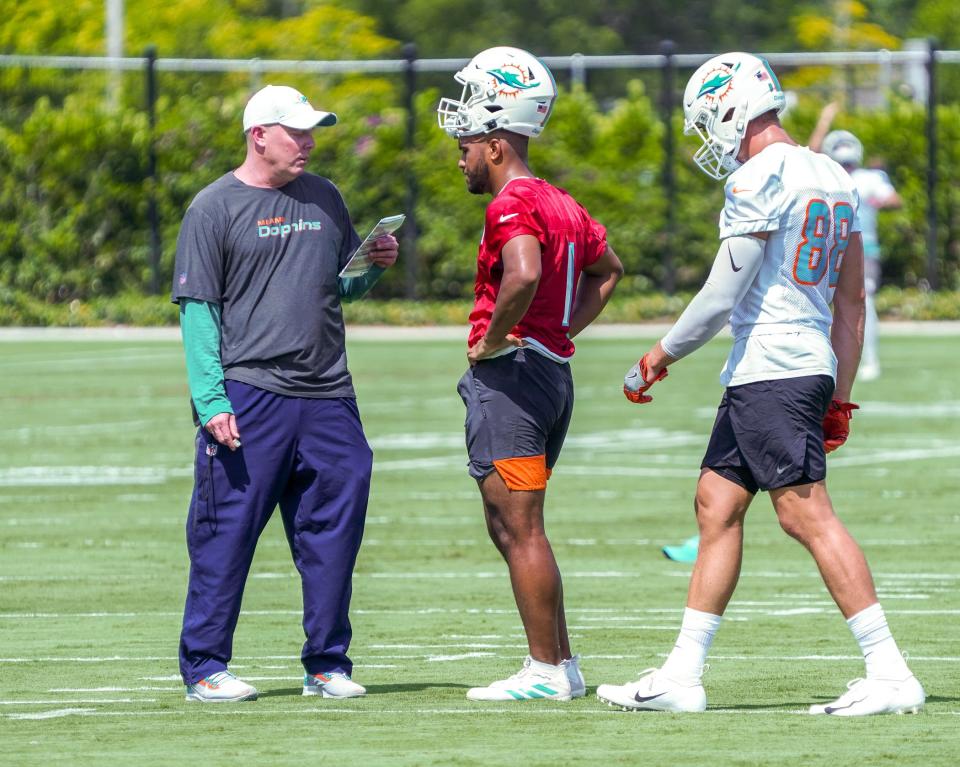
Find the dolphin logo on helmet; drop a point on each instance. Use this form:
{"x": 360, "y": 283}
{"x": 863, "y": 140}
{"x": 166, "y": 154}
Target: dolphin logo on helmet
{"x": 503, "y": 89}
{"x": 720, "y": 99}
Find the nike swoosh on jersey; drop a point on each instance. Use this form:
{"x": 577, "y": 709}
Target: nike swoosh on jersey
{"x": 732, "y": 264}
{"x": 507, "y": 216}
{"x": 738, "y": 189}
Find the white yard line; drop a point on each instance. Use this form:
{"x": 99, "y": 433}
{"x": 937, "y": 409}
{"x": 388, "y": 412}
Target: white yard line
{"x": 82, "y": 700}
{"x": 584, "y": 613}
{"x": 115, "y": 689}
{"x": 477, "y": 649}
{"x": 55, "y": 714}
{"x": 101, "y": 360}
{"x": 106, "y": 475}
{"x": 312, "y": 711}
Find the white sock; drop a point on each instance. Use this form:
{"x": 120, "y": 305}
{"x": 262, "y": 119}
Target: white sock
{"x": 880, "y": 652}
{"x": 546, "y": 668}
{"x": 685, "y": 661}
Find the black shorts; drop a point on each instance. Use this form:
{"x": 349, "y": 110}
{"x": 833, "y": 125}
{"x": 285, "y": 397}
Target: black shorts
{"x": 518, "y": 412}
{"x": 769, "y": 434}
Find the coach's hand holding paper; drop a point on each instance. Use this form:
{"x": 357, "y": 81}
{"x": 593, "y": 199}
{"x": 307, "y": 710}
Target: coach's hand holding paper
{"x": 379, "y": 248}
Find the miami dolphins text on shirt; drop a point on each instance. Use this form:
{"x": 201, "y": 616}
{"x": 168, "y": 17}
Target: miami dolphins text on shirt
{"x": 276, "y": 227}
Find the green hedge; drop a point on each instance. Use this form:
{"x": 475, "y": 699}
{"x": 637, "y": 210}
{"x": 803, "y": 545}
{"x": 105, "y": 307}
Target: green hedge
{"x": 20, "y": 309}
{"x": 74, "y": 199}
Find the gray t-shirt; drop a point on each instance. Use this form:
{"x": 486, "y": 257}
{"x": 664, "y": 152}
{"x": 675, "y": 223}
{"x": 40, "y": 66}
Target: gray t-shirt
{"x": 270, "y": 259}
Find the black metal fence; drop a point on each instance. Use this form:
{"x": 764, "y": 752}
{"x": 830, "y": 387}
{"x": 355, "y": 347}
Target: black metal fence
{"x": 915, "y": 68}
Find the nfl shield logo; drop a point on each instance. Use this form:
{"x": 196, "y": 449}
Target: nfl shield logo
{"x": 212, "y": 449}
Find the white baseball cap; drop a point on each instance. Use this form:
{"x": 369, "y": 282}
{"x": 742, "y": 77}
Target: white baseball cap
{"x": 280, "y": 104}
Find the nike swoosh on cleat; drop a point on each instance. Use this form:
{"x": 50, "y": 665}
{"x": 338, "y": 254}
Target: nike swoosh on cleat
{"x": 832, "y": 709}
{"x": 507, "y": 216}
{"x": 732, "y": 264}
{"x": 643, "y": 699}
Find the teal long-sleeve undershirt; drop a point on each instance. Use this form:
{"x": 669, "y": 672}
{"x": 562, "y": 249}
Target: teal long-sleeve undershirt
{"x": 200, "y": 328}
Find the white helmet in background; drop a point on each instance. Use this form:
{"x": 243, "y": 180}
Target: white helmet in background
{"x": 503, "y": 89}
{"x": 725, "y": 94}
{"x": 843, "y": 147}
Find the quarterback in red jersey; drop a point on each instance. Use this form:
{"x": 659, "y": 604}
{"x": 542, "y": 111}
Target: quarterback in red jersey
{"x": 569, "y": 241}
{"x": 544, "y": 272}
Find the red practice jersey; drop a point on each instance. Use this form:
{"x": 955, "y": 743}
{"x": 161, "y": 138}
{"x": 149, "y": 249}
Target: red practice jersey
{"x": 569, "y": 240}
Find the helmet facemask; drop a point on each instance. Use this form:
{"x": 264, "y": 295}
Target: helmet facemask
{"x": 465, "y": 117}
{"x": 717, "y": 157}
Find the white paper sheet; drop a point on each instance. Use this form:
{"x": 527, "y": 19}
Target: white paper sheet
{"x": 360, "y": 262}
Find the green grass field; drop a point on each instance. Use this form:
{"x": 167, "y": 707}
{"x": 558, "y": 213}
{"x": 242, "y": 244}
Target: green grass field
{"x": 95, "y": 476}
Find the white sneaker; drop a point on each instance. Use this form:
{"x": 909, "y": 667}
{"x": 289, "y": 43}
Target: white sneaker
{"x": 865, "y": 697}
{"x": 222, "y": 687}
{"x": 578, "y": 686}
{"x": 333, "y": 685}
{"x": 528, "y": 683}
{"x": 654, "y": 692}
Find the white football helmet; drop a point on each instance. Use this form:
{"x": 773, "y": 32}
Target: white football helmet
{"x": 503, "y": 89}
{"x": 723, "y": 95}
{"x": 843, "y": 147}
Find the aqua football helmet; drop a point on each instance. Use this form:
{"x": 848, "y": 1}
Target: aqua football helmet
{"x": 721, "y": 98}
{"x": 503, "y": 89}
{"x": 843, "y": 147}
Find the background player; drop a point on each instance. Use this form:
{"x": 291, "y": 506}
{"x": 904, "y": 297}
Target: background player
{"x": 544, "y": 272}
{"x": 257, "y": 266}
{"x": 876, "y": 194}
{"x": 789, "y": 245}
{"x": 683, "y": 552}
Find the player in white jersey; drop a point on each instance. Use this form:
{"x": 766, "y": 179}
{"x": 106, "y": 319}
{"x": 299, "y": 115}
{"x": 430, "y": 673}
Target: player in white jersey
{"x": 876, "y": 194}
{"x": 790, "y": 245}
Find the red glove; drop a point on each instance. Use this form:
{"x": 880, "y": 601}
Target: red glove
{"x": 836, "y": 424}
{"x": 635, "y": 382}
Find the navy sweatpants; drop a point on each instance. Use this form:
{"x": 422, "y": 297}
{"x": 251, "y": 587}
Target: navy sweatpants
{"x": 311, "y": 457}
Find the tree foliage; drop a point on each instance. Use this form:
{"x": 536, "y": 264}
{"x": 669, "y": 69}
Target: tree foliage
{"x": 74, "y": 191}
{"x": 455, "y": 28}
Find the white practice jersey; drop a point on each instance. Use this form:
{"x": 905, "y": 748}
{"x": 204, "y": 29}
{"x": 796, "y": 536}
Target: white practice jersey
{"x": 808, "y": 205}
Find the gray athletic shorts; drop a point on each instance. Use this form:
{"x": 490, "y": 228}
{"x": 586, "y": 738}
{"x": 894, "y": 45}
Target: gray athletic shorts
{"x": 518, "y": 412}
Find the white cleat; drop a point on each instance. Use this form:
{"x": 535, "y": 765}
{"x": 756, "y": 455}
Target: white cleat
{"x": 578, "y": 686}
{"x": 655, "y": 692}
{"x": 528, "y": 683}
{"x": 221, "y": 687}
{"x": 865, "y": 697}
{"x": 333, "y": 685}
